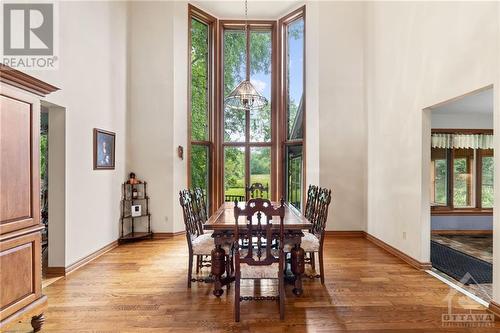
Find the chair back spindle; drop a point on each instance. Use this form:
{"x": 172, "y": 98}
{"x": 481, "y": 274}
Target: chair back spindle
{"x": 320, "y": 215}
{"x": 255, "y": 211}
{"x": 312, "y": 196}
{"x": 256, "y": 190}
{"x": 191, "y": 218}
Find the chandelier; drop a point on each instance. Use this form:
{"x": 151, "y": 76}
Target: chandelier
{"x": 245, "y": 96}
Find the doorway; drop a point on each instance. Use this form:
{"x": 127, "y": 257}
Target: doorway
{"x": 461, "y": 191}
{"x": 53, "y": 191}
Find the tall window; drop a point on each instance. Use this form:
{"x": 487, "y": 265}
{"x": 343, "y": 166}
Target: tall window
{"x": 231, "y": 150}
{"x": 293, "y": 58}
{"x": 461, "y": 178}
{"x": 247, "y": 134}
{"x": 200, "y": 90}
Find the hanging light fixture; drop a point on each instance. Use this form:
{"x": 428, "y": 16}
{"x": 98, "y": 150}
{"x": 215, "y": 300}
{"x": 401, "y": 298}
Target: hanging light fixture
{"x": 245, "y": 96}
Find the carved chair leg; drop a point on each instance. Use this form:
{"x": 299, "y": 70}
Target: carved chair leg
{"x": 237, "y": 299}
{"x": 321, "y": 269}
{"x": 37, "y": 322}
{"x": 228, "y": 270}
{"x": 190, "y": 270}
{"x": 282, "y": 295}
{"x": 313, "y": 261}
{"x": 197, "y": 265}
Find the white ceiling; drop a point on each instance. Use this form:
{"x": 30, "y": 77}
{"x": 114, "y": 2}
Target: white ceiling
{"x": 481, "y": 102}
{"x": 257, "y": 9}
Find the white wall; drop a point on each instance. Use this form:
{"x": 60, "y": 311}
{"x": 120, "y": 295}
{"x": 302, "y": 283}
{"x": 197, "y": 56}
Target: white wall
{"x": 157, "y": 118}
{"x": 92, "y": 78}
{"x": 180, "y": 38}
{"x": 463, "y": 120}
{"x": 418, "y": 54}
{"x": 342, "y": 117}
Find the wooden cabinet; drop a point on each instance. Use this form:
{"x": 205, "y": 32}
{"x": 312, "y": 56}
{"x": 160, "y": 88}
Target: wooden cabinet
{"x": 20, "y": 229}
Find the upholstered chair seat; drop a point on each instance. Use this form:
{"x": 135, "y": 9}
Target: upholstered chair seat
{"x": 204, "y": 244}
{"x": 310, "y": 243}
{"x": 260, "y": 272}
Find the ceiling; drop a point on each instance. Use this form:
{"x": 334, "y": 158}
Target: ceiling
{"x": 480, "y": 102}
{"x": 257, "y": 9}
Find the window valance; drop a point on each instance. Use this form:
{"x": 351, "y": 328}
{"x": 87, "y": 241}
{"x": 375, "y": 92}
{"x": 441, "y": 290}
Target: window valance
{"x": 474, "y": 141}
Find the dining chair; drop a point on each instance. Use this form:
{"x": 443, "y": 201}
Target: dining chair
{"x": 312, "y": 195}
{"x": 258, "y": 189}
{"x": 201, "y": 204}
{"x": 309, "y": 210}
{"x": 199, "y": 243}
{"x": 200, "y": 207}
{"x": 260, "y": 261}
{"x": 313, "y": 240}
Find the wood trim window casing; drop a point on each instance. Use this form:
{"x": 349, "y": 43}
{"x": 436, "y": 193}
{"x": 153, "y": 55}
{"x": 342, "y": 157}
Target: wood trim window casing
{"x": 477, "y": 209}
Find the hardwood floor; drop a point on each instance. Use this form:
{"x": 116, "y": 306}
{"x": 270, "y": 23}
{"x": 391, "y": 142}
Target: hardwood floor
{"x": 141, "y": 287}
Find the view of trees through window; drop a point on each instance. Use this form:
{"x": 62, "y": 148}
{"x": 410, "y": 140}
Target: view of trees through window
{"x": 463, "y": 182}
{"x": 439, "y": 177}
{"x": 487, "y": 181}
{"x": 244, "y": 138}
{"x": 238, "y": 139}
{"x": 200, "y": 149}
{"x": 294, "y": 109}
{"x": 466, "y": 173}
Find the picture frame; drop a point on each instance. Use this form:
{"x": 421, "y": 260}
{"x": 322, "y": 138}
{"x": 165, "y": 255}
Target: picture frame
{"x": 104, "y": 149}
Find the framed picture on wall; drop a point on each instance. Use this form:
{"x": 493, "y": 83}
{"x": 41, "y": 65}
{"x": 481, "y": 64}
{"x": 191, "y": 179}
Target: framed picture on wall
{"x": 104, "y": 150}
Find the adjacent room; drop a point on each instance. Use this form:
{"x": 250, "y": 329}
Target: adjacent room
{"x": 249, "y": 166}
{"x": 462, "y": 173}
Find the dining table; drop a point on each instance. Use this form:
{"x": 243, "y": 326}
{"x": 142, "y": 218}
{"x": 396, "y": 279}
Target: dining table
{"x": 222, "y": 223}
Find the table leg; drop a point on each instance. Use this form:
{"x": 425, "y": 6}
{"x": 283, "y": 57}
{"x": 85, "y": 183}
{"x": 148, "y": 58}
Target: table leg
{"x": 218, "y": 268}
{"x": 298, "y": 258}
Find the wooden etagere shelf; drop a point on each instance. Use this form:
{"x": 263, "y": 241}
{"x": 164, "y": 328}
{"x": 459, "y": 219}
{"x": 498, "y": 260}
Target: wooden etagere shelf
{"x": 132, "y": 195}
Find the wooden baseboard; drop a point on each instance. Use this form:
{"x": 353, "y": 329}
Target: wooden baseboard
{"x": 163, "y": 235}
{"x": 345, "y": 233}
{"x": 55, "y": 271}
{"x": 494, "y": 308}
{"x": 94, "y": 255}
{"x": 462, "y": 232}
{"x": 395, "y": 252}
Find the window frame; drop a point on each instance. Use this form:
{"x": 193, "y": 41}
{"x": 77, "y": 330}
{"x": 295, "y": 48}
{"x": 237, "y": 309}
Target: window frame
{"x": 253, "y": 25}
{"x": 284, "y": 23}
{"x": 210, "y": 21}
{"x": 279, "y": 129}
{"x": 449, "y": 208}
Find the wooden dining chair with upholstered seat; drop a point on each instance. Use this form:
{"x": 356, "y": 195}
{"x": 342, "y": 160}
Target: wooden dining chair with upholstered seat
{"x": 259, "y": 261}
{"x": 199, "y": 243}
{"x": 309, "y": 210}
{"x": 200, "y": 207}
{"x": 313, "y": 240}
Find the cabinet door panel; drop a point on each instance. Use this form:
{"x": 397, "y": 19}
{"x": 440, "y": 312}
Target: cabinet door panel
{"x": 18, "y": 165}
{"x": 20, "y": 259}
